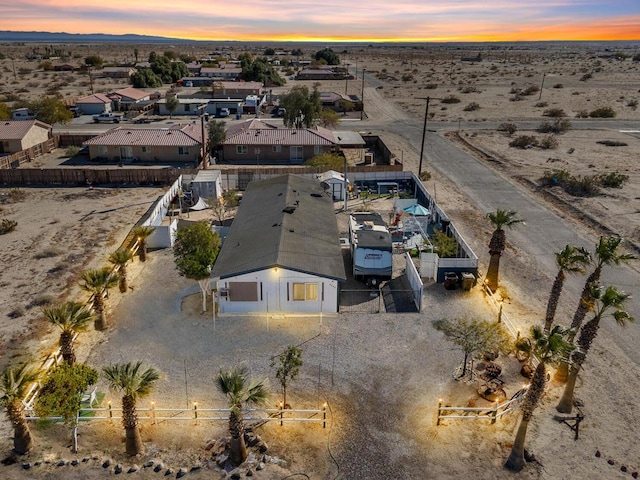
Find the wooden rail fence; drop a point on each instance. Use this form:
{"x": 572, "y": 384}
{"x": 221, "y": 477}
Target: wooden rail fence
{"x": 481, "y": 413}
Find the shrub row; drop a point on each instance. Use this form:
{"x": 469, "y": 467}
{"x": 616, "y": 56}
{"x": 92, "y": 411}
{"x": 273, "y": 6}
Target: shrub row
{"x": 583, "y": 185}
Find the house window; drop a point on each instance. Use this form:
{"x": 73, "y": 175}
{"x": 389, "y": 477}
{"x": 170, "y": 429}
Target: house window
{"x": 242, "y": 149}
{"x": 243, "y": 291}
{"x": 276, "y": 148}
{"x": 102, "y": 150}
{"x": 145, "y": 149}
{"x": 296, "y": 153}
{"x": 317, "y": 149}
{"x": 305, "y": 291}
{"x": 187, "y": 107}
{"x": 183, "y": 151}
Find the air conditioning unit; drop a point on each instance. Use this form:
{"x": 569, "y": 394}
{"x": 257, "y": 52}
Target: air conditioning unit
{"x": 224, "y": 292}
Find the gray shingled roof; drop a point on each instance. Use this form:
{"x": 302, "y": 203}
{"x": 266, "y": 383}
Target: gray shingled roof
{"x": 263, "y": 235}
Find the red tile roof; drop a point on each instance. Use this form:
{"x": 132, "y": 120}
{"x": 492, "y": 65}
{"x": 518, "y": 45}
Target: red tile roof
{"x": 96, "y": 98}
{"x": 255, "y": 132}
{"x": 17, "y": 129}
{"x": 186, "y": 136}
{"x": 131, "y": 92}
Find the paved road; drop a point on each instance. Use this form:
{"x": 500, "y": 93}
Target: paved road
{"x": 545, "y": 232}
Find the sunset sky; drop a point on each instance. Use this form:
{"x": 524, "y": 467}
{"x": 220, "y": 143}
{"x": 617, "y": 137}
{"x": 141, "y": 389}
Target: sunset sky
{"x": 353, "y": 20}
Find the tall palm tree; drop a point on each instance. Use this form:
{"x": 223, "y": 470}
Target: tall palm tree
{"x": 142, "y": 233}
{"x": 120, "y": 258}
{"x": 548, "y": 348}
{"x": 133, "y": 383}
{"x": 499, "y": 219}
{"x": 570, "y": 260}
{"x": 97, "y": 281}
{"x": 604, "y": 301}
{"x": 70, "y": 318}
{"x": 13, "y": 387}
{"x": 606, "y": 254}
{"x": 239, "y": 390}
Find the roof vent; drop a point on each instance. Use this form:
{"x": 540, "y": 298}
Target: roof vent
{"x": 291, "y": 230}
{"x": 289, "y": 209}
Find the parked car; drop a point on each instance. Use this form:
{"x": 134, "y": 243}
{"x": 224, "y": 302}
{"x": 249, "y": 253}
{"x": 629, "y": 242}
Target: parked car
{"x": 107, "y": 118}
{"x": 224, "y": 112}
{"x": 22, "y": 114}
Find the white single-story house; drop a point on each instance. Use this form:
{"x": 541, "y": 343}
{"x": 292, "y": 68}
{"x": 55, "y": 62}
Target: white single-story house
{"x": 282, "y": 253}
{"x": 18, "y": 135}
{"x": 94, "y": 104}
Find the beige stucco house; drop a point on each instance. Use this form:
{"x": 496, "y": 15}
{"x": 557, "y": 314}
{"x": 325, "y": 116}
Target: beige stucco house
{"x": 18, "y": 135}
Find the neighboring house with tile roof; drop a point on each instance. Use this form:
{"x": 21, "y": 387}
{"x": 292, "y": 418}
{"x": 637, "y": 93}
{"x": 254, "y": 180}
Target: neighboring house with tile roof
{"x": 94, "y": 104}
{"x": 282, "y": 253}
{"x": 117, "y": 72}
{"x": 18, "y": 135}
{"x": 256, "y": 142}
{"x": 148, "y": 145}
{"x": 130, "y": 97}
{"x": 222, "y": 73}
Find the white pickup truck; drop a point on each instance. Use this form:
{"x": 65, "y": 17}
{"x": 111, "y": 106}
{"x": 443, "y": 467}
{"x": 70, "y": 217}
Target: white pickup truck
{"x": 107, "y": 118}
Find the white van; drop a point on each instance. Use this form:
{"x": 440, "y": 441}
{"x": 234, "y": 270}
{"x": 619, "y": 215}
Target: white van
{"x": 22, "y": 114}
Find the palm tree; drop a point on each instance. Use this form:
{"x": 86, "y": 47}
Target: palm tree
{"x": 70, "y": 318}
{"x": 13, "y": 388}
{"x": 133, "y": 383}
{"x": 499, "y": 219}
{"x": 120, "y": 258}
{"x": 142, "y": 233}
{"x": 570, "y": 260}
{"x": 603, "y": 300}
{"x": 606, "y": 253}
{"x": 97, "y": 281}
{"x": 239, "y": 389}
{"x": 548, "y": 348}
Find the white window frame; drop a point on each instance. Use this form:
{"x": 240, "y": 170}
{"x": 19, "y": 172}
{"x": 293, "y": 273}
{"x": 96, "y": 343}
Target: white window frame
{"x": 145, "y": 149}
{"x": 308, "y": 294}
{"x": 294, "y": 150}
{"x": 242, "y": 149}
{"x": 317, "y": 149}
{"x": 276, "y": 148}
{"x": 183, "y": 150}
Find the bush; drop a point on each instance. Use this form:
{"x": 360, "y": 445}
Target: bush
{"x": 603, "y": 112}
{"x": 7, "y": 226}
{"x": 554, "y": 112}
{"x": 524, "y": 141}
{"x": 472, "y": 107}
{"x": 558, "y": 126}
{"x": 431, "y": 86}
{"x": 613, "y": 180}
{"x": 530, "y": 90}
{"x": 585, "y": 77}
{"x": 510, "y": 128}
{"x": 72, "y": 150}
{"x": 632, "y": 103}
{"x": 582, "y": 114}
{"x": 612, "y": 143}
{"x": 549, "y": 143}
{"x": 469, "y": 90}
{"x": 41, "y": 301}
{"x": 558, "y": 85}
{"x": 425, "y": 176}
{"x": 541, "y": 105}
{"x": 450, "y": 99}
{"x": 407, "y": 77}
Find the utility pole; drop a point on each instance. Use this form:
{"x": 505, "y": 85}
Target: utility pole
{"x": 542, "y": 85}
{"x": 90, "y": 80}
{"x": 205, "y": 163}
{"x": 362, "y": 95}
{"x": 346, "y": 87}
{"x": 424, "y": 132}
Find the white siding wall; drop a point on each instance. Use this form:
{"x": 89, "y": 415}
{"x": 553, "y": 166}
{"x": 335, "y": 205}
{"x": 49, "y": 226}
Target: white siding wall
{"x": 277, "y": 293}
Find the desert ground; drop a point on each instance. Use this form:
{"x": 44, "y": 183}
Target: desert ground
{"x": 381, "y": 374}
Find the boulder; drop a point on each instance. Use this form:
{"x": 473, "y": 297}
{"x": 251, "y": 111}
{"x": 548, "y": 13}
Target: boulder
{"x": 106, "y": 463}
{"x": 118, "y": 469}
{"x": 61, "y": 463}
{"x": 260, "y": 466}
{"x": 168, "y": 472}
{"x": 133, "y": 468}
{"x": 181, "y": 473}
{"x": 26, "y": 466}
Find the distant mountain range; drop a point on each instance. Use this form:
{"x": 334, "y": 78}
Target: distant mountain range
{"x": 63, "y": 37}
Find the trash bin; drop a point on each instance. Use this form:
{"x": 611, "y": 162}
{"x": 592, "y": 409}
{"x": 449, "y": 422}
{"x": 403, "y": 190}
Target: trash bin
{"x": 450, "y": 280}
{"x": 468, "y": 279}
{"x": 238, "y": 116}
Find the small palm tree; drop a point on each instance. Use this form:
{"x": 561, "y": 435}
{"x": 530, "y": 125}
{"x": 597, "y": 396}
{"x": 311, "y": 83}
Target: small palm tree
{"x": 98, "y": 281}
{"x": 70, "y": 318}
{"x": 606, "y": 254}
{"x": 570, "y": 260}
{"x": 548, "y": 348}
{"x": 133, "y": 383}
{"x": 13, "y": 388}
{"x": 499, "y": 219}
{"x": 142, "y": 233}
{"x": 120, "y": 258}
{"x": 604, "y": 301}
{"x": 239, "y": 390}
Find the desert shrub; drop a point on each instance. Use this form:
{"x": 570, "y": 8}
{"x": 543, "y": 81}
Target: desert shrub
{"x": 444, "y": 246}
{"x": 510, "y": 128}
{"x": 558, "y": 126}
{"x": 541, "y": 104}
{"x": 554, "y": 112}
{"x": 472, "y": 107}
{"x": 425, "y": 175}
{"x": 549, "y": 142}
{"x": 431, "y": 86}
{"x": 72, "y": 150}
{"x": 7, "y": 226}
{"x": 407, "y": 77}
{"x": 16, "y": 195}
{"x": 558, "y": 85}
{"x": 612, "y": 143}
{"x": 530, "y": 90}
{"x": 41, "y": 301}
{"x": 603, "y": 112}
{"x": 632, "y": 103}
{"x": 515, "y": 91}
{"x": 585, "y": 77}
{"x": 17, "y": 312}
{"x": 582, "y": 114}
{"x": 583, "y": 186}
{"x": 524, "y": 141}
{"x": 450, "y": 99}
{"x": 469, "y": 90}
{"x": 613, "y": 180}
{"x": 48, "y": 253}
